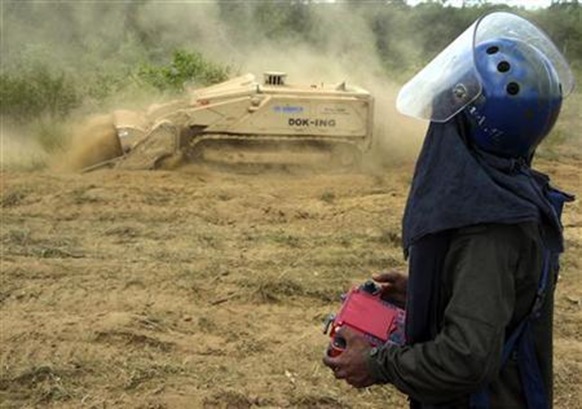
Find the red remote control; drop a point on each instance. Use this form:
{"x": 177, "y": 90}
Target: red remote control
{"x": 364, "y": 311}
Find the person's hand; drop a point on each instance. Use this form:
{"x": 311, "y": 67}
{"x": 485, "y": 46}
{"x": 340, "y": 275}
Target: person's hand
{"x": 393, "y": 286}
{"x": 351, "y": 364}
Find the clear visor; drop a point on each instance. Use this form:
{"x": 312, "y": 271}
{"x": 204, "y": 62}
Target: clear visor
{"x": 450, "y": 81}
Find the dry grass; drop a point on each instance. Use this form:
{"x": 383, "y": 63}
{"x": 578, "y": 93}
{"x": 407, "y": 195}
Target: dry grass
{"x": 206, "y": 289}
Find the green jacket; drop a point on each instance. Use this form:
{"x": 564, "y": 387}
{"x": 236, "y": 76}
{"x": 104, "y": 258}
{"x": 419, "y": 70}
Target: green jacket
{"x": 489, "y": 282}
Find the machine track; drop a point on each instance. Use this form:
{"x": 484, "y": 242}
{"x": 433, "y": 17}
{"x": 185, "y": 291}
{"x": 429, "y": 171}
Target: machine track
{"x": 272, "y": 152}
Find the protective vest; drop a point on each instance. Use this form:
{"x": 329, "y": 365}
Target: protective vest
{"x": 520, "y": 343}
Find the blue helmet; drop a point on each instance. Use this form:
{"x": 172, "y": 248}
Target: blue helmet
{"x": 520, "y": 99}
{"x": 504, "y": 74}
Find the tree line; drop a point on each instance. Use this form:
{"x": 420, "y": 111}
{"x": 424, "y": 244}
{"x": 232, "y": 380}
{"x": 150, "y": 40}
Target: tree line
{"x": 59, "y": 55}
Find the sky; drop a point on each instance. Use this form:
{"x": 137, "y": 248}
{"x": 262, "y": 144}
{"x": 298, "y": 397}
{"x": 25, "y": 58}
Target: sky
{"x": 516, "y": 3}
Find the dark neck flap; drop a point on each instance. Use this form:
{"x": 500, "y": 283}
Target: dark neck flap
{"x": 455, "y": 185}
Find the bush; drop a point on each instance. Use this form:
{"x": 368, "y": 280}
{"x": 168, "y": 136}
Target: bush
{"x": 185, "y": 67}
{"x": 41, "y": 92}
{"x": 36, "y": 93}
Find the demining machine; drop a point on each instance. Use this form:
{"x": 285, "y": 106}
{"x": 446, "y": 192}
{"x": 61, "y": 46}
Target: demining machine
{"x": 243, "y": 120}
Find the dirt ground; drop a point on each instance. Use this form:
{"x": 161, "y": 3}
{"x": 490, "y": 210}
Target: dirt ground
{"x": 205, "y": 288}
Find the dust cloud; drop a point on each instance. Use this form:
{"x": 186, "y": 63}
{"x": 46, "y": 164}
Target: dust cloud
{"x": 93, "y": 141}
{"x": 18, "y": 152}
{"x": 88, "y": 37}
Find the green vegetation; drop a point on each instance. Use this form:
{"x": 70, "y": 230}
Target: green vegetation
{"x": 41, "y": 92}
{"x": 35, "y": 92}
{"x": 185, "y": 67}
